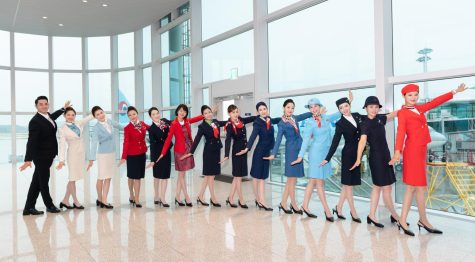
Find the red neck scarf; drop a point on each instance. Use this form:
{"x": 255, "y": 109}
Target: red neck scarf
{"x": 291, "y": 121}
{"x": 215, "y": 129}
{"x": 268, "y": 123}
{"x": 318, "y": 119}
{"x": 235, "y": 125}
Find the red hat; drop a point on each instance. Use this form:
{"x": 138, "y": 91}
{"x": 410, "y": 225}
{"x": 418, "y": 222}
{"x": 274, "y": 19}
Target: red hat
{"x": 410, "y": 88}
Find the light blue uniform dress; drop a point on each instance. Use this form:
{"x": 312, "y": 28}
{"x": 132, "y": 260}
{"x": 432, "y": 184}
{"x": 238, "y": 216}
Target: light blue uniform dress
{"x": 293, "y": 142}
{"x": 319, "y": 139}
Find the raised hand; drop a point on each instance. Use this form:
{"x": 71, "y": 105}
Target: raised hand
{"x": 60, "y": 165}
{"x": 462, "y": 87}
{"x": 271, "y": 157}
{"x": 324, "y": 162}
{"x": 242, "y": 152}
{"x": 224, "y": 160}
{"x": 323, "y": 110}
{"x": 91, "y": 162}
{"x": 299, "y": 159}
{"x": 67, "y": 104}
{"x": 25, "y": 165}
{"x": 215, "y": 109}
{"x": 350, "y": 96}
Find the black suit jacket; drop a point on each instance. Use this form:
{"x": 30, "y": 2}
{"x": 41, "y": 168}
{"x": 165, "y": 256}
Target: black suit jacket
{"x": 211, "y": 142}
{"x": 42, "y": 142}
{"x": 157, "y": 136}
{"x": 352, "y": 137}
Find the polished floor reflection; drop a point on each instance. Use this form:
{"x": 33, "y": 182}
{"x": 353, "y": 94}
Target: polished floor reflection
{"x": 208, "y": 234}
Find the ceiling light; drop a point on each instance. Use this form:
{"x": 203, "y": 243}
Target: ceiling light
{"x": 45, "y": 17}
{"x": 84, "y": 1}
{"x": 60, "y": 24}
{"x": 105, "y": 5}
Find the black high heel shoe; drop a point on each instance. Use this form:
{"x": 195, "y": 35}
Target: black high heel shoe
{"x": 393, "y": 220}
{"x": 138, "y": 205}
{"x": 266, "y": 208}
{"x": 61, "y": 205}
{"x": 406, "y": 231}
{"x": 287, "y": 211}
{"x": 161, "y": 203}
{"x": 98, "y": 203}
{"x": 257, "y": 203}
{"x": 78, "y": 207}
{"x": 233, "y": 205}
{"x": 335, "y": 211}
{"x": 242, "y": 205}
{"x": 308, "y": 213}
{"x": 181, "y": 204}
{"x": 357, "y": 219}
{"x": 198, "y": 201}
{"x": 157, "y": 202}
{"x": 214, "y": 204}
{"x": 188, "y": 204}
{"x": 300, "y": 212}
{"x": 330, "y": 218}
{"x": 131, "y": 201}
{"x": 371, "y": 221}
{"x": 106, "y": 206}
{"x": 430, "y": 230}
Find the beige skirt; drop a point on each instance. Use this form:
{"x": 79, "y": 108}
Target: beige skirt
{"x": 106, "y": 165}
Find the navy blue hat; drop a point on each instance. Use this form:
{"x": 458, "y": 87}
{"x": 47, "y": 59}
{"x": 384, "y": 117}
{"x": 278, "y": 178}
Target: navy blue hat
{"x": 372, "y": 100}
{"x": 260, "y": 104}
{"x": 342, "y": 101}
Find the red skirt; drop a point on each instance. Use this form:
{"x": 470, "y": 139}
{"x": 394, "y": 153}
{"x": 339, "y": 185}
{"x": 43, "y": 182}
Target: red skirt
{"x": 185, "y": 164}
{"x": 414, "y": 165}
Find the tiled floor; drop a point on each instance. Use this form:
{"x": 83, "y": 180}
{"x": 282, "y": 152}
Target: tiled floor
{"x": 209, "y": 234}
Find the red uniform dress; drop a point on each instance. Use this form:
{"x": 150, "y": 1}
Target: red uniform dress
{"x": 413, "y": 127}
{"x": 134, "y": 149}
{"x": 183, "y": 142}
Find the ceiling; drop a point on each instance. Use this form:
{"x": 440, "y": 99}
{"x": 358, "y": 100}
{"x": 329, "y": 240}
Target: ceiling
{"x": 82, "y": 19}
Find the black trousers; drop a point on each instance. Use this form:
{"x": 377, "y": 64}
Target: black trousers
{"x": 39, "y": 184}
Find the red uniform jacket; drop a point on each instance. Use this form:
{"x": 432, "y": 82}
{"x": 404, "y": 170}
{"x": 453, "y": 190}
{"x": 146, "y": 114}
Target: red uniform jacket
{"x": 134, "y": 140}
{"x": 175, "y": 130}
{"x": 413, "y": 126}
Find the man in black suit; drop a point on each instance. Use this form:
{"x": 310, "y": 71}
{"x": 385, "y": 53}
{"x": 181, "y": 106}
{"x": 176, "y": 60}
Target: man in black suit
{"x": 41, "y": 149}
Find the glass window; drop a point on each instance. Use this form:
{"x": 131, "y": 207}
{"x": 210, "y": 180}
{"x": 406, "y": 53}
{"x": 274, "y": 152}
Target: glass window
{"x": 147, "y": 88}
{"x": 274, "y": 5}
{"x": 22, "y": 122}
{"x": 31, "y": 51}
{"x": 176, "y": 81}
{"x": 165, "y": 20}
{"x": 28, "y": 86}
{"x": 205, "y": 93}
{"x": 5, "y": 98}
{"x": 176, "y": 39}
{"x": 126, "y": 90}
{"x": 424, "y": 39}
{"x": 100, "y": 90}
{"x": 6, "y": 141}
{"x": 126, "y": 49}
{"x": 328, "y": 100}
{"x": 4, "y": 48}
{"x": 68, "y": 86}
{"x": 99, "y": 52}
{"x": 185, "y": 8}
{"x": 311, "y": 48}
{"x": 229, "y": 57}
{"x": 147, "y": 44}
{"x": 67, "y": 53}
{"x": 220, "y": 16}
{"x": 451, "y": 153}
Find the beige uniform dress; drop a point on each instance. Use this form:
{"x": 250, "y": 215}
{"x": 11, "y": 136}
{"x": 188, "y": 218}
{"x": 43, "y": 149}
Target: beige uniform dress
{"x": 71, "y": 149}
